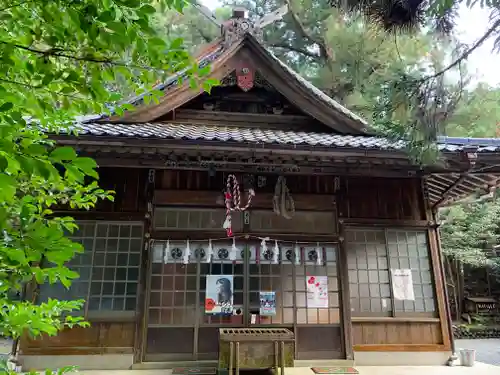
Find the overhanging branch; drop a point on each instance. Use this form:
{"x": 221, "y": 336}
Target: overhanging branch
{"x": 295, "y": 49}
{"x": 306, "y": 34}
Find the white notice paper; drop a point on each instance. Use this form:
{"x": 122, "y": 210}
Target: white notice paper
{"x": 402, "y": 285}
{"x": 317, "y": 292}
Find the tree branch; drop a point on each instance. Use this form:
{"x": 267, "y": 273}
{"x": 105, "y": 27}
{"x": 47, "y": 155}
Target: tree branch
{"x": 295, "y": 49}
{"x": 15, "y": 5}
{"x": 325, "y": 54}
{"x": 467, "y": 53}
{"x": 42, "y": 88}
{"x": 105, "y": 61}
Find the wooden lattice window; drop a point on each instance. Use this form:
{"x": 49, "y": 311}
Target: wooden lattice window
{"x": 371, "y": 255}
{"x": 408, "y": 249}
{"x": 108, "y": 268}
{"x": 169, "y": 218}
{"x": 302, "y": 222}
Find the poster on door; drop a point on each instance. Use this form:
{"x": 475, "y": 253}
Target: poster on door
{"x": 219, "y": 295}
{"x": 402, "y": 285}
{"x": 267, "y": 303}
{"x": 317, "y": 292}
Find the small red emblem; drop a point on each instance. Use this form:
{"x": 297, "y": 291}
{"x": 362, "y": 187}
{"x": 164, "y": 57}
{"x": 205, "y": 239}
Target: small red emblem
{"x": 245, "y": 77}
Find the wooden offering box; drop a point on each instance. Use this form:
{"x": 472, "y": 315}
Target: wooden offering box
{"x": 259, "y": 348}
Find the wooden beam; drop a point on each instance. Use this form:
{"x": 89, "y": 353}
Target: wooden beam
{"x": 75, "y": 350}
{"x": 182, "y": 235}
{"x": 98, "y": 215}
{"x": 207, "y": 198}
{"x": 388, "y": 319}
{"x": 387, "y": 223}
{"x": 402, "y": 348}
{"x": 439, "y": 284}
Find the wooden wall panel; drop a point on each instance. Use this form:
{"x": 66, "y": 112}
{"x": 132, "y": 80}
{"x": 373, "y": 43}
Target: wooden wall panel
{"x": 195, "y": 180}
{"x": 396, "y": 333}
{"x": 207, "y": 198}
{"x": 358, "y": 197}
{"x": 129, "y": 185}
{"x": 381, "y": 198}
{"x": 100, "y": 338}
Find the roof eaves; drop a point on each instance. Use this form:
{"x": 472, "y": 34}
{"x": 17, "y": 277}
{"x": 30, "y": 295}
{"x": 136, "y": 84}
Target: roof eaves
{"x": 207, "y": 55}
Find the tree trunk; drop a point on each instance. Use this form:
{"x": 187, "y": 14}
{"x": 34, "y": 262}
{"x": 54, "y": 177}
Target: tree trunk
{"x": 452, "y": 282}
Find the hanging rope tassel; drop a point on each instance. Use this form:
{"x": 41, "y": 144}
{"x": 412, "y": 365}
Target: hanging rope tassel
{"x": 283, "y": 203}
{"x": 232, "y": 198}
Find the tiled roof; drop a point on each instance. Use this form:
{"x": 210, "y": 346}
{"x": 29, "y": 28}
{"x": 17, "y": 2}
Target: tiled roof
{"x": 209, "y": 55}
{"x": 317, "y": 92}
{"x": 235, "y": 134}
{"x": 263, "y": 136}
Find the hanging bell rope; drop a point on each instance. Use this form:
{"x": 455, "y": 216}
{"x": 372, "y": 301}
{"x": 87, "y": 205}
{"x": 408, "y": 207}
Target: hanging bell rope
{"x": 232, "y": 198}
{"x": 283, "y": 204}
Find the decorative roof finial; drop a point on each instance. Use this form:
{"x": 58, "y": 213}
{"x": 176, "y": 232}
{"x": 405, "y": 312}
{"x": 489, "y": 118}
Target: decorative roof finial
{"x": 238, "y": 26}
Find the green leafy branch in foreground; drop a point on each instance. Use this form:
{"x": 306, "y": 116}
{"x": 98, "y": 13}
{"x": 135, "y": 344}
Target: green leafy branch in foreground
{"x": 60, "y": 59}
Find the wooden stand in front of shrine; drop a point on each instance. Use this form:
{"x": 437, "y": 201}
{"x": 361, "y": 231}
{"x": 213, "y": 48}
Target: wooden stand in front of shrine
{"x": 256, "y": 349}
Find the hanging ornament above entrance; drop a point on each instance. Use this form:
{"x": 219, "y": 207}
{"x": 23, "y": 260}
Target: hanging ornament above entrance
{"x": 245, "y": 76}
{"x": 232, "y": 198}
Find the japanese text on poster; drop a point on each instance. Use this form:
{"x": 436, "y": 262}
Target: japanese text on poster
{"x": 402, "y": 285}
{"x": 317, "y": 292}
{"x": 219, "y": 295}
{"x": 267, "y": 303}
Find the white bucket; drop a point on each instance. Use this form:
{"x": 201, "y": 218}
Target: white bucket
{"x": 467, "y": 357}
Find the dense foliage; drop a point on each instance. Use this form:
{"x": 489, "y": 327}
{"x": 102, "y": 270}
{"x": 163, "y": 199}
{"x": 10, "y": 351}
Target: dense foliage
{"x": 59, "y": 59}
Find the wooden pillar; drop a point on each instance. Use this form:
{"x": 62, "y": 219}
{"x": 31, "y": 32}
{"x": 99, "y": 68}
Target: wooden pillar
{"x": 439, "y": 285}
{"x": 142, "y": 296}
{"x": 345, "y": 298}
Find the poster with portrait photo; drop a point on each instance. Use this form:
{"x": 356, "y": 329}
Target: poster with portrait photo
{"x": 219, "y": 295}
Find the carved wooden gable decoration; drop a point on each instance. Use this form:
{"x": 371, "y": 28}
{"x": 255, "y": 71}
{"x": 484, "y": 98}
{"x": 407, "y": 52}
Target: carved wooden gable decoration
{"x": 239, "y": 55}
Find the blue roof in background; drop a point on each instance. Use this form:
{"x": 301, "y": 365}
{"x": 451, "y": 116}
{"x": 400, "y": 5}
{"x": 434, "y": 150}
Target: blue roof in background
{"x": 470, "y": 141}
{"x": 460, "y": 143}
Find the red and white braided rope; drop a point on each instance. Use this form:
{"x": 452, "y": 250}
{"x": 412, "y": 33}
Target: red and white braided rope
{"x": 232, "y": 198}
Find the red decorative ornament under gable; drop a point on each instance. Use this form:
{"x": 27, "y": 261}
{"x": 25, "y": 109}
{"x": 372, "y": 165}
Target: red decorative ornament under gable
{"x": 245, "y": 77}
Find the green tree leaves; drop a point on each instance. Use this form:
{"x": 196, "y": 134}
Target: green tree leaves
{"x": 59, "y": 59}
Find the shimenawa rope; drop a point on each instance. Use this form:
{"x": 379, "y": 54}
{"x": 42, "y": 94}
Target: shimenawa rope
{"x": 232, "y": 198}
{"x": 283, "y": 203}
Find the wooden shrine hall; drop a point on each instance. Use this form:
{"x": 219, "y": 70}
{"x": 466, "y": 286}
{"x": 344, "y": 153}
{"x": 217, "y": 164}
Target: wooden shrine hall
{"x": 264, "y": 204}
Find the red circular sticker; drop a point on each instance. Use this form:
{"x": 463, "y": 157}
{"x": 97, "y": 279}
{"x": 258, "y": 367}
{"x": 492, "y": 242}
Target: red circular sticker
{"x": 209, "y": 304}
